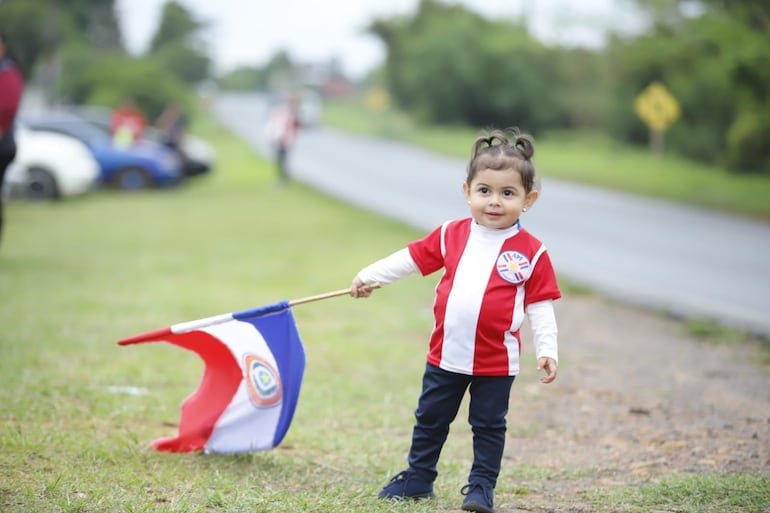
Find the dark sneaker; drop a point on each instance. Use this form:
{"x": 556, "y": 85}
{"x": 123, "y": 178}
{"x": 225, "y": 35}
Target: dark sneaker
{"x": 406, "y": 485}
{"x": 478, "y": 498}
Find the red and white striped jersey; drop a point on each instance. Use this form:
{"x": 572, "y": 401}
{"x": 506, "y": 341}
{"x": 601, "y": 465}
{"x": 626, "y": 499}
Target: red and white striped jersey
{"x": 490, "y": 276}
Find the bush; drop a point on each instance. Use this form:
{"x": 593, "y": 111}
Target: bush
{"x": 107, "y": 79}
{"x": 747, "y": 148}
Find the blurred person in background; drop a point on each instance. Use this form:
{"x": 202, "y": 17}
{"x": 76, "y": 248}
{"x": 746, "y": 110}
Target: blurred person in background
{"x": 172, "y": 123}
{"x": 11, "y": 88}
{"x": 128, "y": 124}
{"x": 282, "y": 127}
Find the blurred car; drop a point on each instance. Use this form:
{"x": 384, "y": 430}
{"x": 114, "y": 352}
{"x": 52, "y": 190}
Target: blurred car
{"x": 49, "y": 166}
{"x": 144, "y": 164}
{"x": 197, "y": 155}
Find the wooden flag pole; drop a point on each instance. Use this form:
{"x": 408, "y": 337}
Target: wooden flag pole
{"x": 327, "y": 295}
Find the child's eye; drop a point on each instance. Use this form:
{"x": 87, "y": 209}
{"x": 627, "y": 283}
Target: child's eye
{"x": 483, "y": 190}
{"x": 508, "y": 194}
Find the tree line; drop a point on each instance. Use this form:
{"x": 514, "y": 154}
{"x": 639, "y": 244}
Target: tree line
{"x": 446, "y": 64}
{"x": 74, "y": 50}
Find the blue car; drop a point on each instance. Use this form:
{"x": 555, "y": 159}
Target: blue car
{"x": 143, "y": 165}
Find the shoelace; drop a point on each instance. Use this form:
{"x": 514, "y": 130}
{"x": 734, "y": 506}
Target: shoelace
{"x": 470, "y": 487}
{"x": 401, "y": 476}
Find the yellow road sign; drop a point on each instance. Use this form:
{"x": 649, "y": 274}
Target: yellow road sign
{"x": 657, "y": 107}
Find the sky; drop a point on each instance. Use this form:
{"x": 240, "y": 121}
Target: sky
{"x": 250, "y": 32}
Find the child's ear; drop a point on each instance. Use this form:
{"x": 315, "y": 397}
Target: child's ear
{"x": 467, "y": 192}
{"x": 531, "y": 199}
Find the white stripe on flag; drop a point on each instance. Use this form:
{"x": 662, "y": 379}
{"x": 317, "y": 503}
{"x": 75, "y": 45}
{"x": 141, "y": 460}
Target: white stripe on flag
{"x": 243, "y": 426}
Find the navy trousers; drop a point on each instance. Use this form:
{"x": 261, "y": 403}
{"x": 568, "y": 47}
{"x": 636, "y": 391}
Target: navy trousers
{"x": 442, "y": 392}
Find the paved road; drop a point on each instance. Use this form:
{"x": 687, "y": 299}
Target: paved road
{"x": 687, "y": 261}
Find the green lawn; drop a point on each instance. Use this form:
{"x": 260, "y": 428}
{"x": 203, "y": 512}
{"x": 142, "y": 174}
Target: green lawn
{"x": 77, "y": 411}
{"x": 584, "y": 158}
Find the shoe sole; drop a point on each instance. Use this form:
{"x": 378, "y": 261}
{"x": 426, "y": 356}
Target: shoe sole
{"x": 477, "y": 508}
{"x": 407, "y": 497}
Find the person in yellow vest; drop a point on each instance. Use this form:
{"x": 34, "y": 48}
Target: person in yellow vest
{"x": 128, "y": 124}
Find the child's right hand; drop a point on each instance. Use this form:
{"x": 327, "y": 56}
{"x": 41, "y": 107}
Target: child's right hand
{"x": 360, "y": 289}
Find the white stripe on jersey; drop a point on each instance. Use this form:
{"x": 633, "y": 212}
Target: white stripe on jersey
{"x": 465, "y": 298}
{"x": 511, "y": 342}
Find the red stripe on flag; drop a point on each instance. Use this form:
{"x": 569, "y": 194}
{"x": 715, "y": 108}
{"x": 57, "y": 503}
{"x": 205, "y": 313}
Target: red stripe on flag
{"x": 221, "y": 377}
{"x": 150, "y": 336}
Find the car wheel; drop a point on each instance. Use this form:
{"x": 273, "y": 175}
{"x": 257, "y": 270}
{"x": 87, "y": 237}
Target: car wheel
{"x": 131, "y": 178}
{"x": 40, "y": 185}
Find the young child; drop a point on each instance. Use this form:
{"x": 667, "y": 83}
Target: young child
{"x": 495, "y": 272}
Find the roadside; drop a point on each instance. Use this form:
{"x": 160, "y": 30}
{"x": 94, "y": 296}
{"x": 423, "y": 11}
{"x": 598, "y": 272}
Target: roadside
{"x": 641, "y": 250}
{"x": 637, "y": 400}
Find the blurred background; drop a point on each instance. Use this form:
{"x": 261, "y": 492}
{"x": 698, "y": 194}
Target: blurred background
{"x": 550, "y": 65}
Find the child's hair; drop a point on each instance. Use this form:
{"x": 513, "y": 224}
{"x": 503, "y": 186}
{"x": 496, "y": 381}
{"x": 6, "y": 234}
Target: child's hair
{"x": 504, "y": 149}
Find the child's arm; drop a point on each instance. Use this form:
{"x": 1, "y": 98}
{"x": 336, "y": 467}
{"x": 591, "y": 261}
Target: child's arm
{"x": 387, "y": 270}
{"x": 543, "y": 322}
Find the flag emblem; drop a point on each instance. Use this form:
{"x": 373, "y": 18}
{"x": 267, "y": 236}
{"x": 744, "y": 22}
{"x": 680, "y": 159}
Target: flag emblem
{"x": 513, "y": 267}
{"x": 264, "y": 384}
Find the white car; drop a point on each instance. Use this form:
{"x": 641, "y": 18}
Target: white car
{"x": 49, "y": 166}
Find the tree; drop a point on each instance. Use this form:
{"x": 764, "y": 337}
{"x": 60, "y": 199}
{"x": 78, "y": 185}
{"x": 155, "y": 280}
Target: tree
{"x": 39, "y": 28}
{"x": 715, "y": 62}
{"x": 447, "y": 64}
{"x": 177, "y": 46}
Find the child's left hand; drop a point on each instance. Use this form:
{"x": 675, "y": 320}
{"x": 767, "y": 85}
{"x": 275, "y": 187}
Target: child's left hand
{"x": 550, "y": 366}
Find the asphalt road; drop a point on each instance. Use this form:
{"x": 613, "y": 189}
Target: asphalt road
{"x": 687, "y": 261}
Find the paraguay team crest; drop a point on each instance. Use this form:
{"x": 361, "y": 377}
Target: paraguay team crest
{"x": 513, "y": 267}
{"x": 263, "y": 382}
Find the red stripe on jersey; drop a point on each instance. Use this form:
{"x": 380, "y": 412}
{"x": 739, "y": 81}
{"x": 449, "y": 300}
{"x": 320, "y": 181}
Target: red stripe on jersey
{"x": 441, "y": 248}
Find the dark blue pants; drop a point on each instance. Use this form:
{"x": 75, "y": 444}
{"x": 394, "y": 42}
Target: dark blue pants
{"x": 442, "y": 392}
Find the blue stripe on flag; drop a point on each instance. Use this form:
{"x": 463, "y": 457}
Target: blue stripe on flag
{"x": 277, "y": 325}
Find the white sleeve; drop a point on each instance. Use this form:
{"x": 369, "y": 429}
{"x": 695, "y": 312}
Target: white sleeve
{"x": 389, "y": 269}
{"x": 543, "y": 322}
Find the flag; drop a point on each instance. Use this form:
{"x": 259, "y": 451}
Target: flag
{"x": 254, "y": 363}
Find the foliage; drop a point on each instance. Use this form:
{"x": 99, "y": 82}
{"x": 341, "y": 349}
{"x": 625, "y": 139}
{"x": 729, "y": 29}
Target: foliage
{"x": 183, "y": 62}
{"x": 716, "y": 68}
{"x": 176, "y": 46}
{"x": 106, "y": 80}
{"x": 446, "y": 64}
{"x": 76, "y": 53}
{"x": 485, "y": 73}
{"x": 38, "y": 28}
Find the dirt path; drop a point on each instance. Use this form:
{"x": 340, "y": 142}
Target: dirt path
{"x": 638, "y": 399}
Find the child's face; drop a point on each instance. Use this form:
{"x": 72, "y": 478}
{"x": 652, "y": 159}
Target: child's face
{"x": 497, "y": 197}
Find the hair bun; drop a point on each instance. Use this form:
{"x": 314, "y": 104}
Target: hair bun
{"x": 524, "y": 145}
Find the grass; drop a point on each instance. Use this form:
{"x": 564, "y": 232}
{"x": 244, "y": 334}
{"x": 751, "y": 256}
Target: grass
{"x": 588, "y": 158}
{"x": 77, "y": 411}
{"x": 695, "y": 494}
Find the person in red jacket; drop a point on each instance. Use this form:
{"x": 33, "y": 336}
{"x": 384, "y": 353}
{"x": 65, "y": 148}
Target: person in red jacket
{"x": 11, "y": 87}
{"x": 127, "y": 124}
